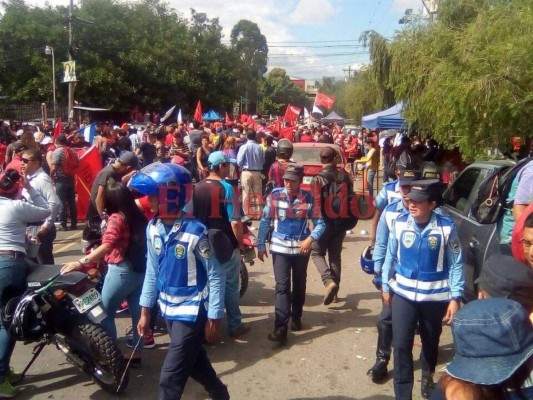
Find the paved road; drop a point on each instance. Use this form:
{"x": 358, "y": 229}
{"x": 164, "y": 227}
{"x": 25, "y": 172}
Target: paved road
{"x": 327, "y": 360}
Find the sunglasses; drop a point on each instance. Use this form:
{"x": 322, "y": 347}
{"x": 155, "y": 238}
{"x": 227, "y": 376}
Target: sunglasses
{"x": 26, "y": 160}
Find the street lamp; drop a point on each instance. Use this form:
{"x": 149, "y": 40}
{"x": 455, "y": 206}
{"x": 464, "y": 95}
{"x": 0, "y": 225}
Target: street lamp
{"x": 50, "y": 51}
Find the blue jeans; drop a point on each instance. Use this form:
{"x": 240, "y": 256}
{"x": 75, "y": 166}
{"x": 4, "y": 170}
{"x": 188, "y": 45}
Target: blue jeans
{"x": 370, "y": 180}
{"x": 120, "y": 283}
{"x": 12, "y": 274}
{"x": 232, "y": 295}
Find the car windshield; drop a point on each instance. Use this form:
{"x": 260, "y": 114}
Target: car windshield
{"x": 306, "y": 155}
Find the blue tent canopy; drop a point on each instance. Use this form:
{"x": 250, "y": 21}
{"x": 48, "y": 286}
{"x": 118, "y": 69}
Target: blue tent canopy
{"x": 390, "y": 118}
{"x": 211, "y": 115}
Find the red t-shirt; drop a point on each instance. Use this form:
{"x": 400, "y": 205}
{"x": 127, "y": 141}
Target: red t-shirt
{"x": 117, "y": 237}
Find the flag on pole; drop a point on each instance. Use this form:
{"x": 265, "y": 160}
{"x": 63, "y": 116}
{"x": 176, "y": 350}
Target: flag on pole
{"x": 291, "y": 114}
{"x": 58, "y": 128}
{"x": 168, "y": 113}
{"x": 90, "y": 165}
{"x": 324, "y": 100}
{"x": 306, "y": 114}
{"x": 179, "y": 117}
{"x": 88, "y": 133}
{"x": 317, "y": 110}
{"x": 198, "y": 116}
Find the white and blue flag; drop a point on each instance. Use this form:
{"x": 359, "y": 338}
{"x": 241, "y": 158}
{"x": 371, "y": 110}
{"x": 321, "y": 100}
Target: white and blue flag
{"x": 89, "y": 132}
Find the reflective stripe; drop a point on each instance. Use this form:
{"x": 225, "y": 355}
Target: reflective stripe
{"x": 184, "y": 311}
{"x": 285, "y": 246}
{"x": 413, "y": 296}
{"x": 179, "y": 299}
{"x": 192, "y": 241}
{"x": 421, "y": 285}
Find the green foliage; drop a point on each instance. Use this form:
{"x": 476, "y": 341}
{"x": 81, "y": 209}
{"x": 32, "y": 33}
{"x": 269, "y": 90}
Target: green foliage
{"x": 277, "y": 90}
{"x": 137, "y": 53}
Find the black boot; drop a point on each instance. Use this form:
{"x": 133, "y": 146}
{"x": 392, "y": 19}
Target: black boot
{"x": 426, "y": 386}
{"x": 279, "y": 335}
{"x": 379, "y": 371}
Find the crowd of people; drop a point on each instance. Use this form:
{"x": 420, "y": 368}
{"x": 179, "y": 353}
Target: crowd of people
{"x": 173, "y": 240}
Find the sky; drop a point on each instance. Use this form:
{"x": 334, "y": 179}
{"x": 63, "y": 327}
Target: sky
{"x": 308, "y": 38}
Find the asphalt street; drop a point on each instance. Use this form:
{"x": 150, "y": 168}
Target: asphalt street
{"x": 328, "y": 359}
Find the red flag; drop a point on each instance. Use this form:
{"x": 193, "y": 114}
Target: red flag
{"x": 90, "y": 165}
{"x": 244, "y": 118}
{"x": 198, "y": 116}
{"x": 324, "y": 100}
{"x": 291, "y": 114}
{"x": 58, "y": 128}
{"x": 287, "y": 133}
{"x": 228, "y": 120}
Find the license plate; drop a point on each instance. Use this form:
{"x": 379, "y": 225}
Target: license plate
{"x": 307, "y": 180}
{"x": 87, "y": 300}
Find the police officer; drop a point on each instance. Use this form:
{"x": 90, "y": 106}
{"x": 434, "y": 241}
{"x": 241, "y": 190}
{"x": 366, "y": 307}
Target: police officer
{"x": 290, "y": 208}
{"x": 397, "y": 207}
{"x": 191, "y": 286}
{"x": 425, "y": 253}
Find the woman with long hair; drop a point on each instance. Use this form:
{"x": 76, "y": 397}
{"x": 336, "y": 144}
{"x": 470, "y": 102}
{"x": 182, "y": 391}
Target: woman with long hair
{"x": 201, "y": 156}
{"x": 230, "y": 150}
{"x": 124, "y": 249}
{"x": 15, "y": 216}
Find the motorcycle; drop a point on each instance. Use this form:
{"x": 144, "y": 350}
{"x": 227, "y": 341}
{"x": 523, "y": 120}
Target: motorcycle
{"x": 250, "y": 242}
{"x": 66, "y": 311}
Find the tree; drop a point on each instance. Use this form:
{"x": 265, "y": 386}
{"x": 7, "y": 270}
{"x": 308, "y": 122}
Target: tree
{"x": 251, "y": 49}
{"x": 277, "y": 90}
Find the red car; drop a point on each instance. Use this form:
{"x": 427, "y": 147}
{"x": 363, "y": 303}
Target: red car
{"x": 308, "y": 155}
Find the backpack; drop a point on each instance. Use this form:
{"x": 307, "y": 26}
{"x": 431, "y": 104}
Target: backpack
{"x": 72, "y": 162}
{"x": 337, "y": 201}
{"x": 491, "y": 198}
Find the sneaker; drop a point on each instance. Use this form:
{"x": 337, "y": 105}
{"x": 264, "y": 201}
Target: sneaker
{"x": 243, "y": 329}
{"x": 149, "y": 342}
{"x": 123, "y": 307}
{"x": 13, "y": 377}
{"x": 7, "y": 391}
{"x": 330, "y": 292}
{"x": 426, "y": 386}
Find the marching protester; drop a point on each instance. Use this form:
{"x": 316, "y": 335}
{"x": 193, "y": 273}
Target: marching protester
{"x": 202, "y": 153}
{"x": 191, "y": 286}
{"x": 290, "y": 208}
{"x": 277, "y": 169}
{"x": 33, "y": 172}
{"x": 371, "y": 161}
{"x": 15, "y": 216}
{"x": 216, "y": 206}
{"x": 331, "y": 240}
{"x": 425, "y": 253}
{"x": 64, "y": 163}
{"x": 250, "y": 160}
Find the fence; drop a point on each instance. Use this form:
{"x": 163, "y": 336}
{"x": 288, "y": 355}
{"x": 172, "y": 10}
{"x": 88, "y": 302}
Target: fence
{"x": 31, "y": 112}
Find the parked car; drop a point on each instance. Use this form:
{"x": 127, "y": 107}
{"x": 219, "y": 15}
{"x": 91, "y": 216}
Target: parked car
{"x": 479, "y": 241}
{"x": 308, "y": 155}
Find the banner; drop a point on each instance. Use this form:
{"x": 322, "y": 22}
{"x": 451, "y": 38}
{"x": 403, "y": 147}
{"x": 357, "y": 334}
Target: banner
{"x": 58, "y": 128}
{"x": 90, "y": 165}
{"x": 291, "y": 114}
{"x": 69, "y": 71}
{"x": 324, "y": 100}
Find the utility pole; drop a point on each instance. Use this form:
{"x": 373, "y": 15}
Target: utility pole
{"x": 349, "y": 70}
{"x": 70, "y": 58}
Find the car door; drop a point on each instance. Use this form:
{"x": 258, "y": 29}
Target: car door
{"x": 474, "y": 237}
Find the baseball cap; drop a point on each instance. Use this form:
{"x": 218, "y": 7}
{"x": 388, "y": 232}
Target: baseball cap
{"x": 504, "y": 276}
{"x": 129, "y": 158}
{"x": 407, "y": 177}
{"x": 217, "y": 158}
{"x": 294, "y": 172}
{"x": 492, "y": 339}
{"x": 424, "y": 190}
{"x": 46, "y": 140}
{"x": 20, "y": 132}
{"x": 353, "y": 133}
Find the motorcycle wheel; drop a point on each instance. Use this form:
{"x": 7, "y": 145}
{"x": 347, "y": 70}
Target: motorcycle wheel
{"x": 101, "y": 358}
{"x": 244, "y": 279}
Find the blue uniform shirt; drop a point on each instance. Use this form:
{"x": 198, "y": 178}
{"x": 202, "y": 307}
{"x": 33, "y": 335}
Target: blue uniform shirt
{"x": 390, "y": 213}
{"x": 389, "y": 192}
{"x": 180, "y": 265}
{"x": 290, "y": 218}
{"x": 428, "y": 263}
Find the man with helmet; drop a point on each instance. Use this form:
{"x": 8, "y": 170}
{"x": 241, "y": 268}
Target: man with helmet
{"x": 397, "y": 207}
{"x": 331, "y": 241}
{"x": 284, "y": 152}
{"x": 191, "y": 286}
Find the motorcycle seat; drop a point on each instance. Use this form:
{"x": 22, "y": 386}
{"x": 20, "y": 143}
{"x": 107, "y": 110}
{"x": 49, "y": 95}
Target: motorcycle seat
{"x": 42, "y": 275}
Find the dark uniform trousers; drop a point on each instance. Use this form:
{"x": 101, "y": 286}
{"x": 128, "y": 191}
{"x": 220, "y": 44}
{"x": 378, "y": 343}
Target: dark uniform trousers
{"x": 66, "y": 191}
{"x": 405, "y": 315}
{"x": 330, "y": 242}
{"x": 289, "y": 304}
{"x": 186, "y": 358}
